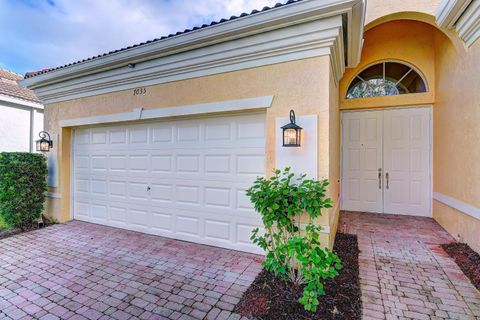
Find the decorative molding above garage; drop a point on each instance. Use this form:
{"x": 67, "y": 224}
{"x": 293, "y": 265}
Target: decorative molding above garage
{"x": 249, "y": 104}
{"x": 297, "y": 31}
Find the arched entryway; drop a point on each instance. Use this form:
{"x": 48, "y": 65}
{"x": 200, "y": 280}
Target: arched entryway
{"x": 386, "y": 106}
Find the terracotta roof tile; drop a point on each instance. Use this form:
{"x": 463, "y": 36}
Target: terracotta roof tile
{"x": 9, "y": 86}
{"x": 35, "y": 73}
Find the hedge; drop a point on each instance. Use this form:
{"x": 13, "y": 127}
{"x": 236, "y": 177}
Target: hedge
{"x": 23, "y": 183}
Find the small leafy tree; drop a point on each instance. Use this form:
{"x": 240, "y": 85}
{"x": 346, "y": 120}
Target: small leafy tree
{"x": 22, "y": 187}
{"x": 293, "y": 250}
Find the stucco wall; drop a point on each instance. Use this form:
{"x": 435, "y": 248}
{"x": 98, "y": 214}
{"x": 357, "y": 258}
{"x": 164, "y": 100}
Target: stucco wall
{"x": 14, "y": 128}
{"x": 379, "y": 8}
{"x": 456, "y": 137}
{"x": 403, "y": 40}
{"x": 300, "y": 85}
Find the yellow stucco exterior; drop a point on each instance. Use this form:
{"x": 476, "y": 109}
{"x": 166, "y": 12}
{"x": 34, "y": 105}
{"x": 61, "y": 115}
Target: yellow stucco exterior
{"x": 400, "y": 40}
{"x": 451, "y": 72}
{"x": 304, "y": 86}
{"x": 378, "y": 9}
{"x": 456, "y": 137}
{"x": 401, "y": 31}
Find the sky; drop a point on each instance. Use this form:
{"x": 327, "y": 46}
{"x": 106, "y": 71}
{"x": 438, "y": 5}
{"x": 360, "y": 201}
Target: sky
{"x": 38, "y": 34}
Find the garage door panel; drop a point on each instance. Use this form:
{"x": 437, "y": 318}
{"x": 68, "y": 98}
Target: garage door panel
{"x": 188, "y": 225}
{"x": 98, "y": 211}
{"x": 98, "y": 187}
{"x": 117, "y": 215}
{"x": 99, "y": 136}
{"x": 161, "y": 163}
{"x": 218, "y": 197}
{"x": 250, "y": 165}
{"x": 183, "y": 179}
{"x": 162, "y": 135}
{"x": 117, "y": 136}
{"x": 188, "y": 163}
{"x": 139, "y": 163}
{"x": 215, "y": 132}
{"x": 162, "y": 193}
{"x": 250, "y": 131}
{"x": 82, "y": 208}
{"x": 138, "y": 134}
{"x": 212, "y": 197}
{"x": 163, "y": 220}
{"x": 82, "y": 137}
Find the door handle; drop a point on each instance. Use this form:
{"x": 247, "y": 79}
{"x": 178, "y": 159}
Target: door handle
{"x": 379, "y": 178}
{"x": 387, "y": 176}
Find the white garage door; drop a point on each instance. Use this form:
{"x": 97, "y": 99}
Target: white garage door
{"x": 184, "y": 179}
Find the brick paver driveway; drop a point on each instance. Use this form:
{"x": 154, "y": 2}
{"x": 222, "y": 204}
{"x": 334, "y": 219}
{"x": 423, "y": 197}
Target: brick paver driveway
{"x": 85, "y": 271}
{"x": 404, "y": 273}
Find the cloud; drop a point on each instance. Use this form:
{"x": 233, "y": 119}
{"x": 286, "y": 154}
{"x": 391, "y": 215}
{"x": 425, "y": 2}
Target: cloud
{"x": 41, "y": 34}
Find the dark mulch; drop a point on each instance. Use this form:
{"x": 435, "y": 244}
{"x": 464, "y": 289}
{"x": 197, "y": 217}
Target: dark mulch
{"x": 5, "y": 233}
{"x": 467, "y": 259}
{"x": 270, "y": 298}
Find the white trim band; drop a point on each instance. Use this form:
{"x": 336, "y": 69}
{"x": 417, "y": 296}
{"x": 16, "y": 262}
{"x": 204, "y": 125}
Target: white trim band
{"x": 189, "y": 110}
{"x": 461, "y": 206}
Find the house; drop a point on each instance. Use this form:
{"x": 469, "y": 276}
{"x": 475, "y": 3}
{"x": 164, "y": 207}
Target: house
{"x": 164, "y": 137}
{"x": 21, "y": 114}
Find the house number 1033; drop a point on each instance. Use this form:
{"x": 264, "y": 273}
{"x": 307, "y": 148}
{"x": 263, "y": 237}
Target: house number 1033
{"x": 139, "y": 91}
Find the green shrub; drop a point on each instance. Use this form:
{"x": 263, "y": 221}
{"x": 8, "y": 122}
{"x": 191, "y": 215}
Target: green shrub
{"x": 3, "y": 225}
{"x": 293, "y": 251}
{"x": 23, "y": 184}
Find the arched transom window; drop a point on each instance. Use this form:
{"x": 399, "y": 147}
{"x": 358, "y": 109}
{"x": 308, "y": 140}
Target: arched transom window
{"x": 386, "y": 79}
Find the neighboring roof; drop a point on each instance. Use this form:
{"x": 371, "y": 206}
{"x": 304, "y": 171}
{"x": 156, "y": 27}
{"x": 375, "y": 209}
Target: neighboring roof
{"x": 9, "y": 86}
{"x": 35, "y": 73}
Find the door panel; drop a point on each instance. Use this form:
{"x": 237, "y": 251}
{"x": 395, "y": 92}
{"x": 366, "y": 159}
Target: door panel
{"x": 398, "y": 142}
{"x": 407, "y": 161}
{"x": 184, "y": 179}
{"x": 362, "y": 157}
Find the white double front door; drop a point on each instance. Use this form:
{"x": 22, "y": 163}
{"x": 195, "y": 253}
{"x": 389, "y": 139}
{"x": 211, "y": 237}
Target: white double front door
{"x": 386, "y": 162}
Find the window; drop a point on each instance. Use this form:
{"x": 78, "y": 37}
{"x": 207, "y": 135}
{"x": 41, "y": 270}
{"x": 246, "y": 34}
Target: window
{"x": 386, "y": 79}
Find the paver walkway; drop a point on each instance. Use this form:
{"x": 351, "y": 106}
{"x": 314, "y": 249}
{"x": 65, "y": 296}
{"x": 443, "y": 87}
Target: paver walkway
{"x": 404, "y": 272}
{"x": 79, "y": 270}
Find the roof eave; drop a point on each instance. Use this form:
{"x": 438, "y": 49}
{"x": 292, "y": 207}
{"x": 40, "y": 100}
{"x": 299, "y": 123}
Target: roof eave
{"x": 275, "y": 18}
{"x": 449, "y": 11}
{"x": 20, "y": 101}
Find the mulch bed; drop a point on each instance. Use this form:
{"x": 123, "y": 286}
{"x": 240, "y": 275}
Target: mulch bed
{"x": 13, "y": 231}
{"x": 467, "y": 259}
{"x": 271, "y": 298}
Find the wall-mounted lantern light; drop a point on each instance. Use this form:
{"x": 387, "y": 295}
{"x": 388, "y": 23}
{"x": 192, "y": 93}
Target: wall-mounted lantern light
{"x": 292, "y": 133}
{"x": 45, "y": 142}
